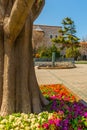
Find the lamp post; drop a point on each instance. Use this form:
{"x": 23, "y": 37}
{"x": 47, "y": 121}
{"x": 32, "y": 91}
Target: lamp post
{"x": 53, "y": 59}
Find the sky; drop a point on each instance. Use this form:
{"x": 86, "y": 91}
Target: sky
{"x": 55, "y": 11}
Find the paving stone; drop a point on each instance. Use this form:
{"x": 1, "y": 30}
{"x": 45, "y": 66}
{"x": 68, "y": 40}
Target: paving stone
{"x": 75, "y": 79}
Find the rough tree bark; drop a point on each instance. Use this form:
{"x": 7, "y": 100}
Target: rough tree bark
{"x": 19, "y": 91}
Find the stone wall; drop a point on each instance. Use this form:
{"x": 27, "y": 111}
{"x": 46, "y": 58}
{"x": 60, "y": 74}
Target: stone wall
{"x": 49, "y": 33}
{"x": 83, "y": 50}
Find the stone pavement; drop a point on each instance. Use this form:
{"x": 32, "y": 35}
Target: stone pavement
{"x": 75, "y": 79}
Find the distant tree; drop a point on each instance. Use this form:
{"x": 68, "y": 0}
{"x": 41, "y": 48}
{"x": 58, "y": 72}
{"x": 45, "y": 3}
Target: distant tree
{"x": 72, "y": 53}
{"x": 46, "y": 52}
{"x": 68, "y": 37}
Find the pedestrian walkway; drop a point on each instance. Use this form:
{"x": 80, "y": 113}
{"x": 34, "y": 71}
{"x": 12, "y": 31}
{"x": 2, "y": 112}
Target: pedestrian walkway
{"x": 75, "y": 79}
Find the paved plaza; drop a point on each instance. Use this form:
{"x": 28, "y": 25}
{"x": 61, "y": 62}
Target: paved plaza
{"x": 75, "y": 79}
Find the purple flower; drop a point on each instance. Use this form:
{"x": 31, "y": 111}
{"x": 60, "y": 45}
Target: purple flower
{"x": 85, "y": 114}
{"x": 65, "y": 128}
{"x": 66, "y": 121}
{"x": 57, "y": 122}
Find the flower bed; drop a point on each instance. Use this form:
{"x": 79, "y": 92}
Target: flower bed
{"x": 59, "y": 65}
{"x": 64, "y": 112}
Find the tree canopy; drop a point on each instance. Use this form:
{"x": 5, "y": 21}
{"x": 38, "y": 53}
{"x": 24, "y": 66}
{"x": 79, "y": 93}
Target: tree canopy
{"x": 68, "y": 31}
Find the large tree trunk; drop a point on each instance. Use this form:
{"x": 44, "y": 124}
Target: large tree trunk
{"x": 19, "y": 90}
{"x": 1, "y": 60}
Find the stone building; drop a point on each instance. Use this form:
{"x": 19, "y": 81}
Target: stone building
{"x": 83, "y": 50}
{"x": 43, "y": 34}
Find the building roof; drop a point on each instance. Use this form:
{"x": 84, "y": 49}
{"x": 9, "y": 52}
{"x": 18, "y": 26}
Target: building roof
{"x": 83, "y": 43}
{"x": 38, "y": 29}
{"x": 46, "y": 25}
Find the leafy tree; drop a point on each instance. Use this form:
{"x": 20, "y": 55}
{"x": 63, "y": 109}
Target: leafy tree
{"x": 19, "y": 90}
{"x": 72, "y": 53}
{"x": 46, "y": 52}
{"x": 68, "y": 31}
{"x": 53, "y": 48}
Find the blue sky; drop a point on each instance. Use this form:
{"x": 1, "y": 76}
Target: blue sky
{"x": 55, "y": 11}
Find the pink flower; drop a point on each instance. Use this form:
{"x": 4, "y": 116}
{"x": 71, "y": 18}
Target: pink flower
{"x": 85, "y": 114}
{"x": 52, "y": 97}
{"x": 45, "y": 125}
{"x": 79, "y": 128}
{"x": 57, "y": 122}
{"x": 51, "y": 121}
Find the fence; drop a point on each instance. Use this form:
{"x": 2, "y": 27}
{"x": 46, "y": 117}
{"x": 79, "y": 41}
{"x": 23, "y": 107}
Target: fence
{"x": 48, "y": 61}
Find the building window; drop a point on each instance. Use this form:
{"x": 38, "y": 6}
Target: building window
{"x": 51, "y": 36}
{"x": 56, "y": 36}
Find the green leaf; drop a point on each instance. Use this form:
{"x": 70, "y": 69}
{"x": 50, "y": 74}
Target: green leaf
{"x": 85, "y": 123}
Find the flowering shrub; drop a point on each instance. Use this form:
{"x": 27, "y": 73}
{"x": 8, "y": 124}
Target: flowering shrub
{"x": 57, "y": 91}
{"x": 64, "y": 112}
{"x": 37, "y": 55}
{"x": 71, "y": 114}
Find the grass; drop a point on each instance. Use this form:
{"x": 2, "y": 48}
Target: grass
{"x": 80, "y": 62}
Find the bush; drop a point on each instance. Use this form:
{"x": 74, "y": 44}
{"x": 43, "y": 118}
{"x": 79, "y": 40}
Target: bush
{"x": 46, "y": 52}
{"x": 72, "y": 53}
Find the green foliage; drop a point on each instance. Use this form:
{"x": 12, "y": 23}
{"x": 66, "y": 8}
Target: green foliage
{"x": 68, "y": 32}
{"x": 53, "y": 48}
{"x": 72, "y": 52}
{"x": 80, "y": 62}
{"x": 46, "y": 52}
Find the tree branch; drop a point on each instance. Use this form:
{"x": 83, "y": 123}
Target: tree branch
{"x": 3, "y": 5}
{"x": 37, "y": 9}
{"x": 14, "y": 24}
